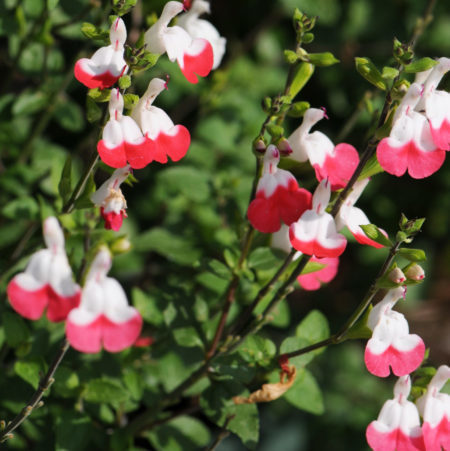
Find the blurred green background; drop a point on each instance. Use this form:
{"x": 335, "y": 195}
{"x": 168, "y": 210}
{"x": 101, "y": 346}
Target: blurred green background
{"x": 185, "y": 214}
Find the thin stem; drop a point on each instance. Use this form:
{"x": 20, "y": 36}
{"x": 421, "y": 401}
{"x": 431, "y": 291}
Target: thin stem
{"x": 224, "y": 433}
{"x": 340, "y": 336}
{"x": 69, "y": 206}
{"x": 44, "y": 384}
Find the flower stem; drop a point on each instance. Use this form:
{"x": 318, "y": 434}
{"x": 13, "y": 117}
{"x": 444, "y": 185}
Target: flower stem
{"x": 34, "y": 402}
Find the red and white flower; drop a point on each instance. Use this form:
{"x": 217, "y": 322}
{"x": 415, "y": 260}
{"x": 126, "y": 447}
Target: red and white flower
{"x": 398, "y": 425}
{"x": 315, "y": 232}
{"x": 278, "y": 196}
{"x": 391, "y": 344}
{"x": 107, "y": 64}
{"x": 434, "y": 407}
{"x": 47, "y": 281}
{"x": 104, "y": 317}
{"x": 200, "y": 28}
{"x": 437, "y": 105}
{"x": 194, "y": 56}
{"x": 110, "y": 199}
{"x": 311, "y": 281}
{"x": 164, "y": 138}
{"x": 353, "y": 217}
{"x": 335, "y": 163}
{"x": 122, "y": 140}
{"x": 410, "y": 145}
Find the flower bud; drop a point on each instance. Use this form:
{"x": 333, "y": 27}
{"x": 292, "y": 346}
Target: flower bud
{"x": 284, "y": 147}
{"x": 121, "y": 246}
{"x": 397, "y": 276}
{"x": 415, "y": 272}
{"x": 259, "y": 146}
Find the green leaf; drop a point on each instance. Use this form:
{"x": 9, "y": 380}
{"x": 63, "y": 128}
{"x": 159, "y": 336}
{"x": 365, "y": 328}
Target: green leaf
{"x": 180, "y": 434}
{"x": 292, "y": 344}
{"x": 256, "y": 349}
{"x": 312, "y": 267}
{"x": 413, "y": 255}
{"x": 411, "y": 226}
{"x": 305, "y": 393}
{"x": 93, "y": 32}
{"x": 375, "y": 234}
{"x": 66, "y": 382}
{"x": 314, "y": 327}
{"x": 148, "y": 307}
{"x": 65, "y": 183}
{"x": 389, "y": 73}
{"x": 99, "y": 95}
{"x": 84, "y": 201}
{"x": 290, "y": 56}
{"x": 371, "y": 168}
{"x": 104, "y": 390}
{"x": 303, "y": 72}
{"x": 369, "y": 71}
{"x": 298, "y": 109}
{"x": 22, "y": 208}
{"x": 218, "y": 405}
{"x": 93, "y": 111}
{"x": 16, "y": 330}
{"x": 124, "y": 82}
{"x": 29, "y": 370}
{"x": 187, "y": 337}
{"x": 69, "y": 116}
{"x": 219, "y": 268}
{"x": 420, "y": 65}
{"x": 173, "y": 247}
{"x": 130, "y": 101}
{"x": 134, "y": 383}
{"x": 73, "y": 431}
{"x": 264, "y": 258}
{"x": 359, "y": 330}
{"x": 322, "y": 59}
{"x": 29, "y": 102}
{"x": 193, "y": 183}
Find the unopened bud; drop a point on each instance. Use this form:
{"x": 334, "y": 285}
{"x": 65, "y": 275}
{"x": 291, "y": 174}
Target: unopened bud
{"x": 121, "y": 246}
{"x": 397, "y": 276}
{"x": 259, "y": 146}
{"x": 415, "y": 272}
{"x": 284, "y": 147}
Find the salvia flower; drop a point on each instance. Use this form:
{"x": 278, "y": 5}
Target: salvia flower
{"x": 122, "y": 140}
{"x": 278, "y": 196}
{"x": 335, "y": 163}
{"x": 47, "y": 281}
{"x": 398, "y": 425}
{"x": 314, "y": 280}
{"x": 434, "y": 408}
{"x": 353, "y": 217}
{"x": 415, "y": 272}
{"x": 107, "y": 64}
{"x": 396, "y": 275}
{"x": 315, "y": 231}
{"x": 200, "y": 28}
{"x": 104, "y": 317}
{"x": 391, "y": 344}
{"x": 194, "y": 56}
{"x": 110, "y": 199}
{"x": 410, "y": 145}
{"x": 437, "y": 105}
{"x": 164, "y": 138}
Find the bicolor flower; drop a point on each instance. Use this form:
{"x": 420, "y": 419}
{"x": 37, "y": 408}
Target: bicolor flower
{"x": 353, "y": 217}
{"x": 122, "y": 140}
{"x": 437, "y": 105}
{"x": 200, "y": 28}
{"x": 398, "y": 425}
{"x": 278, "y": 196}
{"x": 410, "y": 145}
{"x": 47, "y": 281}
{"x": 107, "y": 64}
{"x": 110, "y": 199}
{"x": 391, "y": 344}
{"x": 104, "y": 317}
{"x": 164, "y": 138}
{"x": 194, "y": 56}
{"x": 434, "y": 407}
{"x": 315, "y": 232}
{"x": 311, "y": 281}
{"x": 335, "y": 163}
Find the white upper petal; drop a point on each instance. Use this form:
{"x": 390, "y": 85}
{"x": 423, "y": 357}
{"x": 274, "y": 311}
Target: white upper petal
{"x": 131, "y": 131}
{"x": 53, "y": 234}
{"x": 152, "y": 120}
{"x": 112, "y": 134}
{"x": 437, "y": 108}
{"x": 176, "y": 42}
{"x": 321, "y": 197}
{"x": 118, "y": 33}
{"x": 113, "y": 182}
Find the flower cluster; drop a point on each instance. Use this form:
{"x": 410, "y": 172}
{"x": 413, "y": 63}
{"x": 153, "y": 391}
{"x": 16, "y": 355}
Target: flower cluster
{"x": 96, "y": 315}
{"x": 420, "y": 132}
